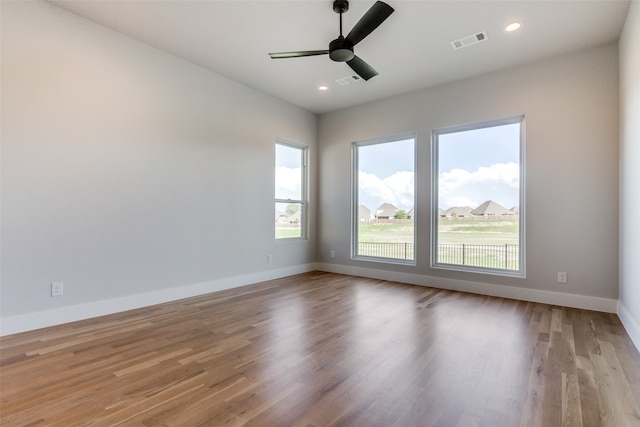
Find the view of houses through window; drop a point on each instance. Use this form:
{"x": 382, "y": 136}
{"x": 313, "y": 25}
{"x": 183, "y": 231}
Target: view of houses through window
{"x": 385, "y": 213}
{"x": 477, "y": 221}
{"x": 477, "y": 184}
{"x": 290, "y": 191}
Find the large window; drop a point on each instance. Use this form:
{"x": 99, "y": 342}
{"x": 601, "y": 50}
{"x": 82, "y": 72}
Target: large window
{"x": 290, "y": 191}
{"x": 478, "y": 198}
{"x": 384, "y": 202}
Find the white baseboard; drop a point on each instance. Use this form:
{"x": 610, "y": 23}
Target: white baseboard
{"x": 630, "y": 324}
{"x": 525, "y": 294}
{"x": 42, "y": 319}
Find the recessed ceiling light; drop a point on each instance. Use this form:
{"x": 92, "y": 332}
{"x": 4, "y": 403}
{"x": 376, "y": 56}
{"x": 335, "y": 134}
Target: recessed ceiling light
{"x": 513, "y": 26}
{"x": 323, "y": 88}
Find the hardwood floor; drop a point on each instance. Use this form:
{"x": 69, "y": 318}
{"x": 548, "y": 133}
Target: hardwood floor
{"x": 322, "y": 349}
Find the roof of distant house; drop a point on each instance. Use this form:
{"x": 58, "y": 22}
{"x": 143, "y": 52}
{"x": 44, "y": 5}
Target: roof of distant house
{"x": 459, "y": 211}
{"x": 491, "y": 208}
{"x": 386, "y": 210}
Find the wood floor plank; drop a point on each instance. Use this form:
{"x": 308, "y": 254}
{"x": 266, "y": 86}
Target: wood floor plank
{"x": 320, "y": 350}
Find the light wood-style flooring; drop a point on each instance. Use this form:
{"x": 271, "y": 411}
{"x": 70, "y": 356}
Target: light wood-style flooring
{"x": 322, "y": 349}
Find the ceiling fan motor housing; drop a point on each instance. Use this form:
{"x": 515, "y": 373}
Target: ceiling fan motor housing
{"x": 341, "y": 50}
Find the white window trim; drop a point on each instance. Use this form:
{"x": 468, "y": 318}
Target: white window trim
{"x": 304, "y": 184}
{"x": 521, "y": 272}
{"x": 354, "y": 197}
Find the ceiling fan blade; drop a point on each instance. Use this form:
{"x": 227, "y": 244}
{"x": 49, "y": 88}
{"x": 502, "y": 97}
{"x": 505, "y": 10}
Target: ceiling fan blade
{"x": 375, "y": 16}
{"x": 299, "y": 54}
{"x": 361, "y": 68}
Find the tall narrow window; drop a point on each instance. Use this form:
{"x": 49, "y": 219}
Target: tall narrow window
{"x": 478, "y": 198}
{"x": 384, "y": 203}
{"x": 290, "y": 191}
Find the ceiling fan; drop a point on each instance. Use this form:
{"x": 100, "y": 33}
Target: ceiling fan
{"x": 341, "y": 49}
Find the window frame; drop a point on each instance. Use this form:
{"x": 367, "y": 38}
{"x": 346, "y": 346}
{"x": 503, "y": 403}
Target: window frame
{"x": 304, "y": 153}
{"x": 435, "y": 133}
{"x": 355, "y": 200}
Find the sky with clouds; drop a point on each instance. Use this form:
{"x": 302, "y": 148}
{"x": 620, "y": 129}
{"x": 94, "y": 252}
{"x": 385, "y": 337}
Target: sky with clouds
{"x": 386, "y": 174}
{"x": 288, "y": 172}
{"x": 498, "y": 182}
{"x": 479, "y": 165}
{"x": 474, "y": 166}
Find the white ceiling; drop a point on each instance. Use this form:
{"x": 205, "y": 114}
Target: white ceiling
{"x": 411, "y": 50}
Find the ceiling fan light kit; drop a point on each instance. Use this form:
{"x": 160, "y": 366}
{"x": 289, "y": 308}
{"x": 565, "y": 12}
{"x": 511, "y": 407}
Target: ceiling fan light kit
{"x": 341, "y": 49}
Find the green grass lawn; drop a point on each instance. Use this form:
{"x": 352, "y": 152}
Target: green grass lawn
{"x": 386, "y": 233}
{"x": 471, "y": 231}
{"x": 285, "y": 233}
{"x": 476, "y": 231}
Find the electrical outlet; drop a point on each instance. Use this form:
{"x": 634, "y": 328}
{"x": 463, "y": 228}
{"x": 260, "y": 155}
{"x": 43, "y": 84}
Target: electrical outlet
{"x": 333, "y": 254}
{"x": 57, "y": 289}
{"x": 269, "y": 259}
{"x": 562, "y": 277}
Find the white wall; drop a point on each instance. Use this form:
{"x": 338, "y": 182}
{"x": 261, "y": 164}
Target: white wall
{"x": 629, "y": 45}
{"x": 135, "y": 177}
{"x": 129, "y": 174}
{"x": 570, "y": 105}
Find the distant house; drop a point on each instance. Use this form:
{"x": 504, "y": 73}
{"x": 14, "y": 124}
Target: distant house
{"x": 281, "y": 216}
{"x": 295, "y": 217}
{"x": 386, "y": 211}
{"x": 515, "y": 210}
{"x": 491, "y": 208}
{"x": 365, "y": 214}
{"x": 410, "y": 214}
{"x": 459, "y": 211}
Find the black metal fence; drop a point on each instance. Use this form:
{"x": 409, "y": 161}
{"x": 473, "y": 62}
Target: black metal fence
{"x": 386, "y": 250}
{"x": 490, "y": 256}
{"x": 504, "y": 257}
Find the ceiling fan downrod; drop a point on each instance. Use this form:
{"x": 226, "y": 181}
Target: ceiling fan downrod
{"x": 340, "y": 49}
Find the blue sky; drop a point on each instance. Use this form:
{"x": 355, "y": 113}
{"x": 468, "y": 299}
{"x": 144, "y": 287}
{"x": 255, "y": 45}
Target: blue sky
{"x": 288, "y": 172}
{"x": 288, "y": 156}
{"x": 481, "y": 147}
{"x": 474, "y": 166}
{"x": 386, "y": 174}
{"x": 479, "y": 165}
{"x": 383, "y": 160}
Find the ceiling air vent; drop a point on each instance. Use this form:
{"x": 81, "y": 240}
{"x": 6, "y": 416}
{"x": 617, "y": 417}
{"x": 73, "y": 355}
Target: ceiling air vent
{"x": 348, "y": 80}
{"x": 469, "y": 40}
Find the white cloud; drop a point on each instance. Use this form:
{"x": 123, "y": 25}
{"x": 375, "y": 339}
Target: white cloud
{"x": 288, "y": 183}
{"x": 499, "y": 182}
{"x": 396, "y": 189}
{"x": 458, "y": 187}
